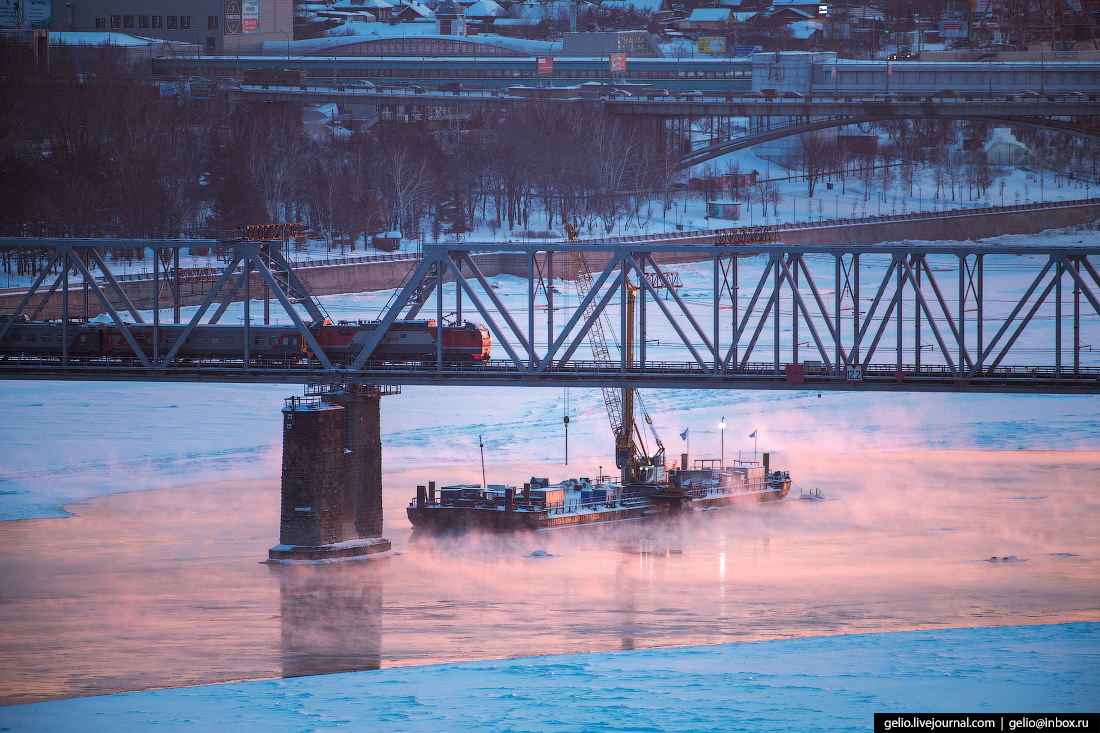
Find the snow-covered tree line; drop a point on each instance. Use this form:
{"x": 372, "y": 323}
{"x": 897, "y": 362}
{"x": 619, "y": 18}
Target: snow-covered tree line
{"x": 91, "y": 150}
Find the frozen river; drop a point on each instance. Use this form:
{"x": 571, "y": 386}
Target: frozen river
{"x": 166, "y": 588}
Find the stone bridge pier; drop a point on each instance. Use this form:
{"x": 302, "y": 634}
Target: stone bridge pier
{"x": 332, "y": 476}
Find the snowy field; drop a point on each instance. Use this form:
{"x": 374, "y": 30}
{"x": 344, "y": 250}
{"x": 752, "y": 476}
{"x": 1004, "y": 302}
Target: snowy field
{"x": 819, "y": 684}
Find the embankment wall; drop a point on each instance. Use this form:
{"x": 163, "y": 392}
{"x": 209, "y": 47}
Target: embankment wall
{"x": 357, "y": 277}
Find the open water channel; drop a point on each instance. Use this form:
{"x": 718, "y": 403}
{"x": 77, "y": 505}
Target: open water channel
{"x": 168, "y": 587}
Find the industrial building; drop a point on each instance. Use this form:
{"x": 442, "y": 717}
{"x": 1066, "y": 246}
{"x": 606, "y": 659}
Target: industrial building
{"x": 214, "y": 26}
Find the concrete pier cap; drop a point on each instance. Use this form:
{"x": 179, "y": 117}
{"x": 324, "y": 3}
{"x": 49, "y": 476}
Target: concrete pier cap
{"x": 332, "y": 475}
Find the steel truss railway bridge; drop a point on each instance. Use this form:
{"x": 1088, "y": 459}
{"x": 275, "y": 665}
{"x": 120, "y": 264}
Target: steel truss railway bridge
{"x": 902, "y": 317}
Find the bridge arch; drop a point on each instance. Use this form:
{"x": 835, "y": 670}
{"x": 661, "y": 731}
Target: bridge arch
{"x": 702, "y": 155}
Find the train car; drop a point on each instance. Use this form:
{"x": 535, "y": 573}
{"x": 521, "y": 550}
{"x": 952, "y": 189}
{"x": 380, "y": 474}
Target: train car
{"x": 47, "y": 338}
{"x": 209, "y": 341}
{"x": 406, "y": 341}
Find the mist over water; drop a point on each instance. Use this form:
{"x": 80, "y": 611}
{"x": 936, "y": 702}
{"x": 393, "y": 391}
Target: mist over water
{"x": 168, "y": 588}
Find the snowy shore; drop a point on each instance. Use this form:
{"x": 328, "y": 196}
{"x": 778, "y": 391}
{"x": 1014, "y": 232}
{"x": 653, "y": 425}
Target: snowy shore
{"x": 831, "y": 683}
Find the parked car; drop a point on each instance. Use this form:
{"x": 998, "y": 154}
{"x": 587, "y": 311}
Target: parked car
{"x": 451, "y": 86}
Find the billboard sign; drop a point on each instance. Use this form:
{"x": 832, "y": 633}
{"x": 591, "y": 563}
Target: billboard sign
{"x": 36, "y": 13}
{"x": 740, "y": 51}
{"x": 953, "y": 29}
{"x": 233, "y": 16}
{"x": 545, "y": 65}
{"x": 618, "y": 62}
{"x": 25, "y": 14}
{"x": 712, "y": 45}
{"x": 250, "y": 16}
{"x": 9, "y": 16}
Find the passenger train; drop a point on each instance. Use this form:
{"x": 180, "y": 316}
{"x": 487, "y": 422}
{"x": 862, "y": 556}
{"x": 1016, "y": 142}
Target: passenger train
{"x": 404, "y": 341}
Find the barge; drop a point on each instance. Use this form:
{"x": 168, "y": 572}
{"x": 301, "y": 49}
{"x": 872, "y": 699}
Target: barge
{"x": 539, "y": 505}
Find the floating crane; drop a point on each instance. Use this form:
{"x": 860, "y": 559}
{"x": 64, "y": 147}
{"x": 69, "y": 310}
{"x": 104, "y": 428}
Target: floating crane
{"x": 632, "y": 455}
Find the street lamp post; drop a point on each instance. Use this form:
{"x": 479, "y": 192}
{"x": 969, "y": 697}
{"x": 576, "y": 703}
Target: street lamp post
{"x": 287, "y": 45}
{"x": 722, "y": 432}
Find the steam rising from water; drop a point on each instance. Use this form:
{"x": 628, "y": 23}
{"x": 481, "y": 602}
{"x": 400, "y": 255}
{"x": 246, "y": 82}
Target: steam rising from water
{"x": 166, "y": 588}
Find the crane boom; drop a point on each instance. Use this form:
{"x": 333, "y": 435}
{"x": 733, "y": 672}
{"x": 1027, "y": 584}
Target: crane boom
{"x": 619, "y": 402}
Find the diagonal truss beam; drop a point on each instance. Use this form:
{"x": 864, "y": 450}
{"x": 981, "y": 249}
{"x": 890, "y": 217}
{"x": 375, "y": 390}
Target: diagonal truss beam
{"x": 823, "y": 312}
{"x": 498, "y": 332}
{"x": 110, "y": 277}
{"x": 303, "y": 329}
{"x": 870, "y": 315}
{"x": 577, "y": 315}
{"x": 591, "y": 322}
{"x": 30, "y": 293}
{"x": 501, "y": 309}
{"x": 629, "y": 259}
{"x": 395, "y": 310}
{"x": 1011, "y": 318}
{"x": 138, "y": 351}
{"x": 207, "y": 301}
{"x": 786, "y": 275}
{"x": 922, "y": 263}
{"x": 740, "y": 328}
{"x": 1085, "y": 289}
{"x": 1023, "y": 324}
{"x": 911, "y": 277}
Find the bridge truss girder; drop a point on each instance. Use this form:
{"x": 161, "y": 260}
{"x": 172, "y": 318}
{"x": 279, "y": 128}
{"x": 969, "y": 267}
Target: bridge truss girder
{"x": 908, "y": 302}
{"x": 252, "y": 256}
{"x": 905, "y": 317}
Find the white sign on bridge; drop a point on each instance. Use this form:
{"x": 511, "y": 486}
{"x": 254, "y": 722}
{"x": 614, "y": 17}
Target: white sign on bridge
{"x": 855, "y": 372}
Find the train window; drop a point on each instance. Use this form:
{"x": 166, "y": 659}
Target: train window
{"x": 46, "y": 338}
{"x": 17, "y": 337}
{"x": 405, "y": 335}
{"x": 259, "y": 340}
{"x": 84, "y": 336}
{"x": 170, "y": 340}
{"x": 32, "y": 337}
{"x": 213, "y": 339}
{"x": 200, "y": 340}
{"x": 295, "y": 340}
{"x": 228, "y": 339}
